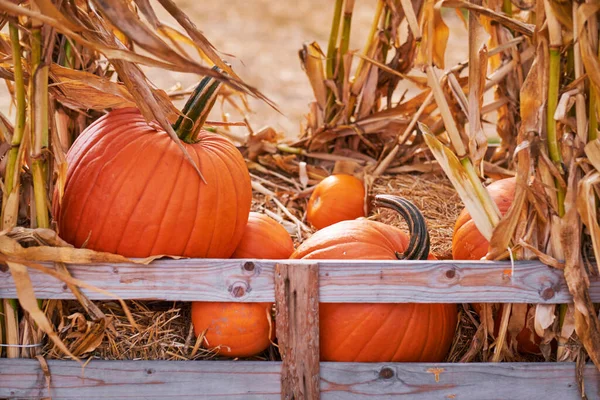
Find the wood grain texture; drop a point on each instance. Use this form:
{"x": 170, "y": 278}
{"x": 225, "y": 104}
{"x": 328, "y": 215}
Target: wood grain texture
{"x": 340, "y": 281}
{"x": 297, "y": 305}
{"x": 23, "y": 379}
{"x": 116, "y": 380}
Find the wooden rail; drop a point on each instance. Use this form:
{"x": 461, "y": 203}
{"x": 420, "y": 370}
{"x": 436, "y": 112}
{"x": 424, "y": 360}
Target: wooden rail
{"x": 307, "y": 283}
{"x": 111, "y": 380}
{"x": 339, "y": 281}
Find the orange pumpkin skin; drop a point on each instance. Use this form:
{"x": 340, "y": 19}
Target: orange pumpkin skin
{"x": 376, "y": 332}
{"x": 129, "y": 190}
{"x": 243, "y": 329}
{"x": 264, "y": 238}
{"x": 235, "y": 330}
{"x": 336, "y": 198}
{"x": 469, "y": 244}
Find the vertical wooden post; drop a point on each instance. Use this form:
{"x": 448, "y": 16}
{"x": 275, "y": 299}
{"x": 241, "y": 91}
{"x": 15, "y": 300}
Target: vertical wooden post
{"x": 297, "y": 305}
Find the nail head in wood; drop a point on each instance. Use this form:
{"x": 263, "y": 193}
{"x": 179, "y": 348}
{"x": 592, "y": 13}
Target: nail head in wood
{"x": 249, "y": 266}
{"x": 548, "y": 293}
{"x": 451, "y": 273}
{"x": 386, "y": 373}
{"x": 238, "y": 289}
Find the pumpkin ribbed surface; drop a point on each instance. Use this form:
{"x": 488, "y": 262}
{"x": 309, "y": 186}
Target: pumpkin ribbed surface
{"x": 376, "y": 332}
{"x": 242, "y": 329}
{"x": 129, "y": 190}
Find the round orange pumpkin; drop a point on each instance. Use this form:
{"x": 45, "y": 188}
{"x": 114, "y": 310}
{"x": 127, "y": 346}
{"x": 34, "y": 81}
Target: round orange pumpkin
{"x": 244, "y": 329}
{"x": 380, "y": 332}
{"x": 336, "y": 198}
{"x": 469, "y": 244}
{"x": 264, "y": 238}
{"x": 130, "y": 190}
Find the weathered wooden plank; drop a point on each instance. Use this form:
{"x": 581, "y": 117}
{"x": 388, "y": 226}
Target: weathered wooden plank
{"x": 116, "y": 380}
{"x": 23, "y": 379}
{"x": 297, "y": 305}
{"x": 477, "y": 381}
{"x": 340, "y": 281}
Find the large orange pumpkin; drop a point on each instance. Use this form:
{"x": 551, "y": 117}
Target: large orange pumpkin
{"x": 336, "y": 198}
{"x": 380, "y": 332}
{"x": 469, "y": 244}
{"x": 242, "y": 329}
{"x": 130, "y": 190}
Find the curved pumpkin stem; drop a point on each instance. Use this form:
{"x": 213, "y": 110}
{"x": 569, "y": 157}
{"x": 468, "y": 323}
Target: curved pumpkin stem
{"x": 197, "y": 108}
{"x": 418, "y": 247}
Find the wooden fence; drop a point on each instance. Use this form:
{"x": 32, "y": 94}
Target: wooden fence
{"x": 300, "y": 375}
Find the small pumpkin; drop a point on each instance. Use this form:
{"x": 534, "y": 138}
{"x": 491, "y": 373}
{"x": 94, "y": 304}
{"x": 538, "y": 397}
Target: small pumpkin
{"x": 244, "y": 329}
{"x": 130, "y": 189}
{"x": 380, "y": 332}
{"x": 469, "y": 244}
{"x": 264, "y": 238}
{"x": 338, "y": 197}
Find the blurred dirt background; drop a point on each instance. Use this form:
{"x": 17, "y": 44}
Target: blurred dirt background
{"x": 261, "y": 39}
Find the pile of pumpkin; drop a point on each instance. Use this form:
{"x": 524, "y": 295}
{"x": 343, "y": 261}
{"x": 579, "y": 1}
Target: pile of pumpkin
{"x": 132, "y": 190}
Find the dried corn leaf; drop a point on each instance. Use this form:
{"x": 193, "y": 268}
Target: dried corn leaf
{"x": 49, "y": 9}
{"x": 91, "y": 339}
{"x": 525, "y": 29}
{"x": 312, "y": 57}
{"x": 460, "y": 180}
{"x": 369, "y": 93}
{"x": 592, "y": 151}
{"x": 81, "y": 89}
{"x": 435, "y": 35}
{"x": 122, "y": 17}
{"x": 478, "y": 65}
{"x": 588, "y": 54}
{"x": 544, "y": 318}
{"x": 587, "y": 324}
{"x": 586, "y": 206}
{"x": 447, "y": 115}
{"x": 203, "y": 44}
{"x": 28, "y": 301}
{"x": 11, "y": 250}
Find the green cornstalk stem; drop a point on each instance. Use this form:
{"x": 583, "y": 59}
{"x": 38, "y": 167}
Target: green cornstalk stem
{"x": 571, "y": 64}
{"x": 366, "y": 52}
{"x": 333, "y": 39}
{"x": 69, "y": 56}
{"x": 39, "y": 132}
{"x": 372, "y": 33}
{"x": 345, "y": 39}
{"x": 11, "y": 177}
{"x": 332, "y": 58}
{"x": 553, "y": 149}
{"x": 11, "y": 180}
{"x": 507, "y": 7}
{"x": 386, "y": 24}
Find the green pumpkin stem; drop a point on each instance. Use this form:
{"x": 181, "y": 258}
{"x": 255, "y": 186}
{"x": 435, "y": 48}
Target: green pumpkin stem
{"x": 418, "y": 247}
{"x": 197, "y": 108}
